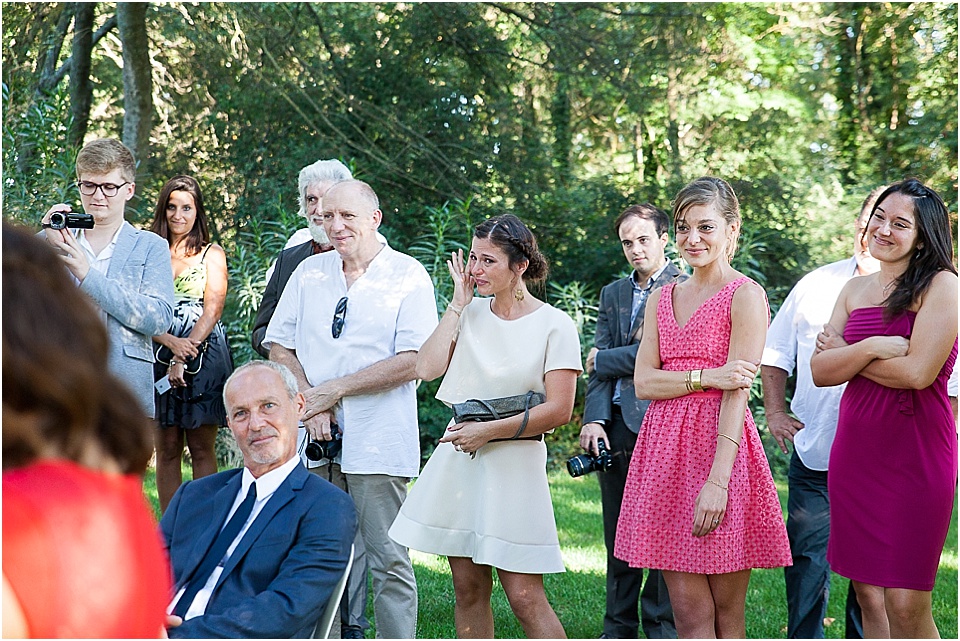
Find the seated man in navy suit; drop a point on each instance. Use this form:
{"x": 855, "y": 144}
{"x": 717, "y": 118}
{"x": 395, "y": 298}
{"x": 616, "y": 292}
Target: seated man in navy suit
{"x": 256, "y": 552}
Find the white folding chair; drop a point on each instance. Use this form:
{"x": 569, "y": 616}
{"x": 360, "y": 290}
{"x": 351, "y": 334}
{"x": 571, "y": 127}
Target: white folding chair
{"x": 332, "y": 609}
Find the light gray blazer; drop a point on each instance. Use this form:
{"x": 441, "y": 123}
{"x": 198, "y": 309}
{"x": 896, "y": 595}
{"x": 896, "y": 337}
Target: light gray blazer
{"x": 137, "y": 296}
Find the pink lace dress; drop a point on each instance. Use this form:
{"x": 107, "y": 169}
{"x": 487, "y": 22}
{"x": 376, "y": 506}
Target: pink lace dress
{"x": 673, "y": 456}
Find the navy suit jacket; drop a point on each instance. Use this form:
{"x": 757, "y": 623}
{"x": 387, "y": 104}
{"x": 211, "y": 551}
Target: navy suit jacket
{"x": 619, "y": 341}
{"x": 283, "y": 571}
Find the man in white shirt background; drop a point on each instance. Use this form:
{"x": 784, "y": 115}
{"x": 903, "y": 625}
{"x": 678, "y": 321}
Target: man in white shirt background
{"x": 349, "y": 325}
{"x": 790, "y": 343}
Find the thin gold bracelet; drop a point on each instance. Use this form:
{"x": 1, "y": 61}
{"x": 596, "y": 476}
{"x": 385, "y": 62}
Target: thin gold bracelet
{"x": 687, "y": 382}
{"x": 722, "y": 487}
{"x": 455, "y": 310}
{"x": 729, "y": 438}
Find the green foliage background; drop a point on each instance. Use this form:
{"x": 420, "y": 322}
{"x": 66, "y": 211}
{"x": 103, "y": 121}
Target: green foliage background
{"x": 562, "y": 113}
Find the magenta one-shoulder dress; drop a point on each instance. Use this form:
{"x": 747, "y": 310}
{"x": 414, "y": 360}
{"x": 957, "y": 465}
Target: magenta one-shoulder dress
{"x": 893, "y": 471}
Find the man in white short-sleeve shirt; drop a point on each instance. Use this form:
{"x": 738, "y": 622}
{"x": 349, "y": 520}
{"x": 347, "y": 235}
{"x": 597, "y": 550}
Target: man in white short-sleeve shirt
{"x": 791, "y": 340}
{"x": 349, "y": 325}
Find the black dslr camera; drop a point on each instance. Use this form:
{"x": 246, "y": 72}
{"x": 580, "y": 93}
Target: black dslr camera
{"x": 60, "y": 220}
{"x": 586, "y": 463}
{"x": 317, "y": 450}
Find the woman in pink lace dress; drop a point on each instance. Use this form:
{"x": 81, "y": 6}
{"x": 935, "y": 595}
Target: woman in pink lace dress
{"x": 893, "y": 466}
{"x": 700, "y": 503}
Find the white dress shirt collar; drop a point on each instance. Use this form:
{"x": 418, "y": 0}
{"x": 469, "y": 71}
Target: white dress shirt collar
{"x": 267, "y": 485}
{"x": 650, "y": 281}
{"x": 101, "y": 261}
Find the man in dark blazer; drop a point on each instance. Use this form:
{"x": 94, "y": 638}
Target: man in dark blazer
{"x": 287, "y": 261}
{"x": 269, "y": 572}
{"x": 614, "y": 414}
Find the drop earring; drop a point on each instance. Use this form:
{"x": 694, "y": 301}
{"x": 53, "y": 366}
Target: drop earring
{"x": 518, "y": 294}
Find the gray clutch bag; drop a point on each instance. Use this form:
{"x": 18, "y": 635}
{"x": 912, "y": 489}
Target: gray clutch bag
{"x": 494, "y": 409}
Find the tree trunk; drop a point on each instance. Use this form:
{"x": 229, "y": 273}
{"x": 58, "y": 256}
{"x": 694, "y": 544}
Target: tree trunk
{"x": 638, "y": 157}
{"x": 137, "y": 80}
{"x": 46, "y": 69}
{"x": 81, "y": 89}
{"x": 853, "y": 119}
{"x": 49, "y": 56}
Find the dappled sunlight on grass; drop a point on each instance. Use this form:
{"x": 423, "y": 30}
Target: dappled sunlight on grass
{"x": 585, "y": 559}
{"x": 431, "y": 561}
{"x": 585, "y": 508}
{"x": 948, "y": 560}
{"x": 578, "y": 595}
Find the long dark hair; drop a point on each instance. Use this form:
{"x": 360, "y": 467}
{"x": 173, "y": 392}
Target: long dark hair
{"x": 57, "y": 392}
{"x": 199, "y": 235}
{"x": 517, "y": 241}
{"x": 934, "y": 249}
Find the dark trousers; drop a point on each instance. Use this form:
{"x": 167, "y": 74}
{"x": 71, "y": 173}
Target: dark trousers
{"x": 621, "y": 620}
{"x": 808, "y": 579}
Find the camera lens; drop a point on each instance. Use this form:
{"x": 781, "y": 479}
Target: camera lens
{"x": 58, "y": 220}
{"x": 580, "y": 465}
{"x": 314, "y": 451}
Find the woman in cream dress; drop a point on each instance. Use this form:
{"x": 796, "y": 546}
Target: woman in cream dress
{"x": 482, "y": 499}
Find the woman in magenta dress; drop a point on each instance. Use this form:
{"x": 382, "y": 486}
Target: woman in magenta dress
{"x": 893, "y": 466}
{"x": 700, "y": 503}
{"x": 82, "y": 556}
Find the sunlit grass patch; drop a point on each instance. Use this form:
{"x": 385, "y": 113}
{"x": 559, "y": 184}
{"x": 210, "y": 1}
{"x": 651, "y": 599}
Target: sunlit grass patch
{"x": 578, "y": 595}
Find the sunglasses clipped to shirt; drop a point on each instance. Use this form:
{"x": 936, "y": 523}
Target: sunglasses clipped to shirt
{"x": 339, "y": 317}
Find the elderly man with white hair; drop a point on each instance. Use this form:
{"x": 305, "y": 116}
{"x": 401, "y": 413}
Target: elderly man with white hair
{"x": 314, "y": 181}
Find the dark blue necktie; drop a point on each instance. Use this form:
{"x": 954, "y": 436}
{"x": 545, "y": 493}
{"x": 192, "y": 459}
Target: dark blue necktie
{"x": 216, "y": 552}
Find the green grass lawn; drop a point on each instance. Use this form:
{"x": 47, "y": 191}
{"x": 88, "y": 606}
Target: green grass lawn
{"x": 578, "y": 594}
{"x": 150, "y": 485}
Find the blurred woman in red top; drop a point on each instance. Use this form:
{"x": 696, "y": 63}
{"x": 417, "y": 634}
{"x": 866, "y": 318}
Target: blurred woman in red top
{"x": 81, "y": 553}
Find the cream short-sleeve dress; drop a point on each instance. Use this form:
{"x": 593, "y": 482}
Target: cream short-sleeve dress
{"x": 494, "y": 508}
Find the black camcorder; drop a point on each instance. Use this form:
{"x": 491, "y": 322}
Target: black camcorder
{"x": 586, "y": 463}
{"x": 317, "y": 450}
{"x": 61, "y": 220}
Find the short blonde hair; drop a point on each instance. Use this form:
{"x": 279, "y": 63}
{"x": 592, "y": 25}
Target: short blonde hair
{"x": 103, "y": 155}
